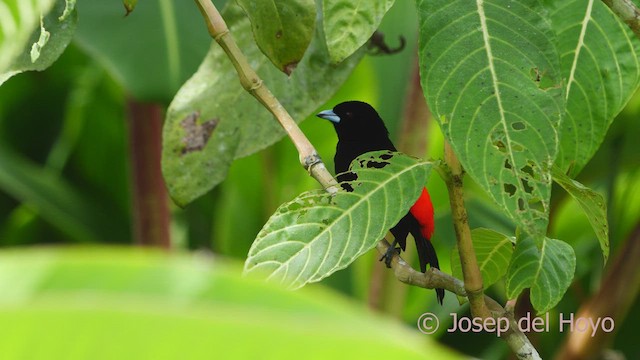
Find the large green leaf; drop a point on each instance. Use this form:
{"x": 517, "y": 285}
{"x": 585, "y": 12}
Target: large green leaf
{"x": 242, "y": 125}
{"x": 601, "y": 71}
{"x": 493, "y": 252}
{"x": 348, "y": 24}
{"x": 151, "y": 52}
{"x": 593, "y": 205}
{"x": 545, "y": 266}
{"x": 19, "y": 30}
{"x": 317, "y": 233}
{"x": 153, "y": 305}
{"x": 282, "y": 29}
{"x": 491, "y": 75}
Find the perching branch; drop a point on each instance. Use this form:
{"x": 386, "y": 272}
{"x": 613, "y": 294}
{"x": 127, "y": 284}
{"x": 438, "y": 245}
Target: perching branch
{"x": 434, "y": 278}
{"x": 251, "y": 82}
{"x": 627, "y": 11}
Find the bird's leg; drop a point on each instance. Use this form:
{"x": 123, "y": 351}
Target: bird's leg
{"x": 388, "y": 255}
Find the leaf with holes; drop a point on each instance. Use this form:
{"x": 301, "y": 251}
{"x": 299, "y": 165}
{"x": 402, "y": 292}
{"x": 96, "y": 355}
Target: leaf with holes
{"x": 20, "y": 31}
{"x": 242, "y": 125}
{"x": 349, "y": 24}
{"x": 546, "y": 266}
{"x": 493, "y": 251}
{"x": 282, "y": 29}
{"x": 491, "y": 75}
{"x": 601, "y": 71}
{"x": 593, "y": 205}
{"x": 317, "y": 234}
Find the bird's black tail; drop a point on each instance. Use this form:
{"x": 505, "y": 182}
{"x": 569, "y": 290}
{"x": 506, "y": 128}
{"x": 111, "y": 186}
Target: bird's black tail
{"x": 427, "y": 255}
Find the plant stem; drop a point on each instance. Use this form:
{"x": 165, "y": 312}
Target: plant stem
{"x": 627, "y": 11}
{"x": 470, "y": 269}
{"x": 252, "y": 83}
{"x": 149, "y": 194}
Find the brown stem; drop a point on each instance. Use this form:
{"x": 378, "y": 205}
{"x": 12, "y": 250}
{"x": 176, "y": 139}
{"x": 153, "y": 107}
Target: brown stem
{"x": 149, "y": 194}
{"x": 627, "y": 11}
{"x": 620, "y": 287}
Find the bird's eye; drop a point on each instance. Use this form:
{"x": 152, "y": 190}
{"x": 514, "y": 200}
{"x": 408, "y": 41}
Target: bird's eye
{"x": 348, "y": 114}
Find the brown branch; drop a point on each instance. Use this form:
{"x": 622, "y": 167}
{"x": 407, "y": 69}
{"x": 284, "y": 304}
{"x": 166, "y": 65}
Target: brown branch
{"x": 434, "y": 278}
{"x": 252, "y": 83}
{"x": 627, "y": 11}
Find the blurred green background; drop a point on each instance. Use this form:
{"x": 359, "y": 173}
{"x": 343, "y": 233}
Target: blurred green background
{"x": 65, "y": 179}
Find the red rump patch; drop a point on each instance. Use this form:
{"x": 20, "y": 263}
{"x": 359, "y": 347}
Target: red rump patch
{"x": 422, "y": 210}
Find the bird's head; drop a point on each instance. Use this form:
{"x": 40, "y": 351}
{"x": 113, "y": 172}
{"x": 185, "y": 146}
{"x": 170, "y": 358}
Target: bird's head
{"x": 355, "y": 120}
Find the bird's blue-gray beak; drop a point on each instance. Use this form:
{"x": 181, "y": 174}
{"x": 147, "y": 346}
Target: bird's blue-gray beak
{"x": 329, "y": 115}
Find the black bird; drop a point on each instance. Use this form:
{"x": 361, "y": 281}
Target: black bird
{"x": 360, "y": 130}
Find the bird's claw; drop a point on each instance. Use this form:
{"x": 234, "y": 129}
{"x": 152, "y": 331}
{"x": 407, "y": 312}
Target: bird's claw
{"x": 388, "y": 256}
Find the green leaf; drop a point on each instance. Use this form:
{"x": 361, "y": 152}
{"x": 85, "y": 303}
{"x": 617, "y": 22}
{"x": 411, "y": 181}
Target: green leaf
{"x": 349, "y": 24}
{"x": 244, "y": 126}
{"x": 490, "y": 72}
{"x": 150, "y": 53}
{"x": 136, "y": 297}
{"x": 547, "y": 269}
{"x": 601, "y": 71}
{"x": 282, "y": 29}
{"x": 317, "y": 233}
{"x": 592, "y": 204}
{"x": 493, "y": 251}
{"x": 19, "y": 31}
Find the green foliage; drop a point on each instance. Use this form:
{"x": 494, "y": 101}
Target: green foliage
{"x": 153, "y": 305}
{"x": 545, "y": 266}
{"x": 349, "y": 24}
{"x": 592, "y": 204}
{"x": 21, "y": 31}
{"x": 492, "y": 81}
{"x": 243, "y": 125}
{"x": 493, "y": 251}
{"x": 150, "y": 52}
{"x": 600, "y": 67}
{"x": 318, "y": 233}
{"x": 282, "y": 29}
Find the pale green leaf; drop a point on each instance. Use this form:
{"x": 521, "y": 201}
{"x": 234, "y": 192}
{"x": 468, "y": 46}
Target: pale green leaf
{"x": 493, "y": 252}
{"x": 491, "y": 75}
{"x": 547, "y": 269}
{"x": 161, "y": 306}
{"x": 282, "y": 29}
{"x": 244, "y": 126}
{"x": 592, "y": 203}
{"x": 317, "y": 233}
{"x": 600, "y": 67}
{"x": 348, "y": 24}
{"x": 20, "y": 30}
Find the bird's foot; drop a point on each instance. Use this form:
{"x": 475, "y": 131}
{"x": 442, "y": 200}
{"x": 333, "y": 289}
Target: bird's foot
{"x": 388, "y": 256}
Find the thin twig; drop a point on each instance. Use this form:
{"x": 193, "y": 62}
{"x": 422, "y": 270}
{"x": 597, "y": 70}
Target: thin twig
{"x": 252, "y": 83}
